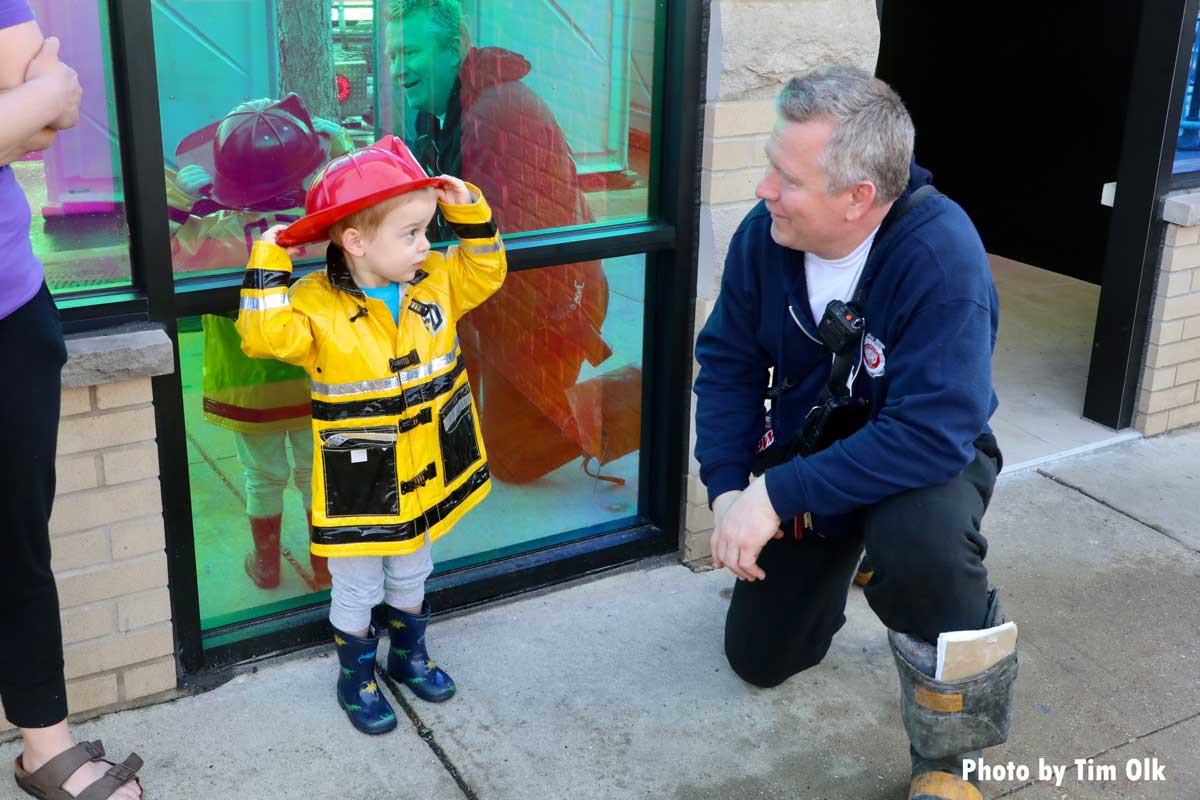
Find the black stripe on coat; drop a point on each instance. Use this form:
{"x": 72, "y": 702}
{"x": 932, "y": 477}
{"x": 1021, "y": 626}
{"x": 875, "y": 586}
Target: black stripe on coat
{"x": 265, "y": 279}
{"x": 474, "y": 230}
{"x": 404, "y": 531}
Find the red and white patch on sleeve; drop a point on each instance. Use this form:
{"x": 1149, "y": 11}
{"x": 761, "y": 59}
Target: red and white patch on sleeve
{"x": 873, "y": 358}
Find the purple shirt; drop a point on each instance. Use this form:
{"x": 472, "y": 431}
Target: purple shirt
{"x": 20, "y": 271}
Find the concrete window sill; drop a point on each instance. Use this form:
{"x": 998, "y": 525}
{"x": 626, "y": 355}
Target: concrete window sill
{"x": 117, "y": 354}
{"x": 1182, "y": 208}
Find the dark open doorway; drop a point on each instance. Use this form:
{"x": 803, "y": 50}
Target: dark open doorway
{"x": 1024, "y": 111}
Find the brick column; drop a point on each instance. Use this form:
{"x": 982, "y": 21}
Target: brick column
{"x": 107, "y": 534}
{"x": 1169, "y": 397}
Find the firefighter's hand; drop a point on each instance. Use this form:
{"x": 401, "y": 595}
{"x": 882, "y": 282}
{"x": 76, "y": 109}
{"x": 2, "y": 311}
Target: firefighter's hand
{"x": 720, "y": 506}
{"x": 745, "y": 522}
{"x": 271, "y": 236}
{"x": 453, "y": 192}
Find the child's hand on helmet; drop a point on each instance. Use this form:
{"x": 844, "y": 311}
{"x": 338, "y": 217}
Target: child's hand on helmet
{"x": 193, "y": 181}
{"x": 271, "y": 236}
{"x": 453, "y": 192}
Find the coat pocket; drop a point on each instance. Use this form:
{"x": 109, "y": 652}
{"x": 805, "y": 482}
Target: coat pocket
{"x": 360, "y": 472}
{"x": 456, "y": 432}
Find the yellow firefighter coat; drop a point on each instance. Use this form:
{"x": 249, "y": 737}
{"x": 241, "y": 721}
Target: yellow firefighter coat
{"x": 397, "y": 456}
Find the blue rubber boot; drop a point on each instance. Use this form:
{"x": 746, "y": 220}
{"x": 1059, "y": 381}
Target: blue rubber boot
{"x": 358, "y": 692}
{"x": 409, "y": 661}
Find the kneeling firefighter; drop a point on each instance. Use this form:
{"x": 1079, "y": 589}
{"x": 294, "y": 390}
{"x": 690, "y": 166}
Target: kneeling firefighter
{"x": 859, "y": 301}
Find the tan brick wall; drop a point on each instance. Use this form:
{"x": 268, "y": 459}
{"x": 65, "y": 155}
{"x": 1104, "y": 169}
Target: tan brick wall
{"x": 1169, "y": 397}
{"x": 755, "y": 47}
{"x": 735, "y": 133}
{"x": 108, "y": 541}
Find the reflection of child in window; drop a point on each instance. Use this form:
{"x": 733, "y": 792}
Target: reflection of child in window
{"x": 398, "y": 454}
{"x": 242, "y": 175}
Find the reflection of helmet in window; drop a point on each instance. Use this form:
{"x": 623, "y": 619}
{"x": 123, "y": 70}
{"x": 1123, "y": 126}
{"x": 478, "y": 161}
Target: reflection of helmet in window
{"x": 263, "y": 149}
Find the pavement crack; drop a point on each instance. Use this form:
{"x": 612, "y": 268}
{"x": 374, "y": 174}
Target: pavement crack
{"x": 1141, "y": 736}
{"x": 212, "y": 464}
{"x": 1152, "y": 526}
{"x": 1104, "y": 752}
{"x": 426, "y": 734}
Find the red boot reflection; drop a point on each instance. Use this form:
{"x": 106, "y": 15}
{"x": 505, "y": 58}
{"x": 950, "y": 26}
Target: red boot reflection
{"x": 320, "y": 564}
{"x": 262, "y": 565}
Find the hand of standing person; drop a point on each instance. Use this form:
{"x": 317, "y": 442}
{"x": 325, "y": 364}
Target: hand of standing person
{"x": 39, "y": 95}
{"x": 59, "y": 81}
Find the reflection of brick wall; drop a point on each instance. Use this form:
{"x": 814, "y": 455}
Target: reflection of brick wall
{"x": 755, "y": 47}
{"x": 1170, "y": 391}
{"x": 108, "y": 542}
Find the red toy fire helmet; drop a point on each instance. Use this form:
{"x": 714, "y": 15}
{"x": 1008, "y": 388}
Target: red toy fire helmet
{"x": 355, "y": 181}
{"x": 263, "y": 149}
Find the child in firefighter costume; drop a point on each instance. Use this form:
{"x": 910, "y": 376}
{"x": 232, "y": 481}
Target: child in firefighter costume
{"x": 398, "y": 456}
{"x": 238, "y": 177}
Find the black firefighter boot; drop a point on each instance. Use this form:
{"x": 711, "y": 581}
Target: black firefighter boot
{"x": 408, "y": 658}
{"x": 949, "y": 722}
{"x": 358, "y": 692}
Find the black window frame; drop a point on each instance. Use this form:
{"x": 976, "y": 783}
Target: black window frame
{"x": 668, "y": 240}
{"x": 1144, "y": 176}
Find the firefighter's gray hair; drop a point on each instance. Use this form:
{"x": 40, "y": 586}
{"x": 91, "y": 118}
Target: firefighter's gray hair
{"x": 446, "y": 16}
{"x": 873, "y": 134}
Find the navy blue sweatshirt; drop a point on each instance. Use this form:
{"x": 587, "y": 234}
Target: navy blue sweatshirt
{"x": 931, "y": 314}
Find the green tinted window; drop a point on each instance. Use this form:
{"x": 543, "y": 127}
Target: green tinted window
{"x": 545, "y": 106}
{"x": 560, "y": 390}
{"x": 75, "y": 188}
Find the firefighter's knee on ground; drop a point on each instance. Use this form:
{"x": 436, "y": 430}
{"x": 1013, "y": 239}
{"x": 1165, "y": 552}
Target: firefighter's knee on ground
{"x": 766, "y": 668}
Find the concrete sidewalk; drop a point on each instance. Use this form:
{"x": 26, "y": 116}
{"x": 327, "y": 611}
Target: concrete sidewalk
{"x": 617, "y": 687}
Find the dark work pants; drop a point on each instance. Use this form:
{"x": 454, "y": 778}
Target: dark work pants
{"x": 927, "y": 552}
{"x": 32, "y": 355}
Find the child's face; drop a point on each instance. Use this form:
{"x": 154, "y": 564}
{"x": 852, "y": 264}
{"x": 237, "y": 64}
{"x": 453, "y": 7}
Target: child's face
{"x": 398, "y": 247}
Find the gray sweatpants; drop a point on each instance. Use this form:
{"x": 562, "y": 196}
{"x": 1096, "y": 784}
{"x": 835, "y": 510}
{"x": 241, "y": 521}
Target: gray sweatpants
{"x": 362, "y": 582}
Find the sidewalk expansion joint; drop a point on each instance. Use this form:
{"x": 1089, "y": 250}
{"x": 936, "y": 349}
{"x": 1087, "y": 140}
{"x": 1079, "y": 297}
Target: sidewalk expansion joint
{"x": 212, "y": 464}
{"x": 1152, "y": 526}
{"x": 1106, "y": 751}
{"x": 426, "y": 733}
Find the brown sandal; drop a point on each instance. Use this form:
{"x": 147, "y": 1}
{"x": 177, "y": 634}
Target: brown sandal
{"x": 46, "y": 782}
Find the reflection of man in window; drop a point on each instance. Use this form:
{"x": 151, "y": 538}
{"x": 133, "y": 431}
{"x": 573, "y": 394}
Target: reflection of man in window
{"x": 475, "y": 118}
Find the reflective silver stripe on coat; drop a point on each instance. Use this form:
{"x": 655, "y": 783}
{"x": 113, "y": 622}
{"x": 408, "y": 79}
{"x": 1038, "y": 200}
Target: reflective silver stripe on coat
{"x": 417, "y": 373}
{"x": 483, "y": 249}
{"x": 356, "y": 387}
{"x": 265, "y": 303}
